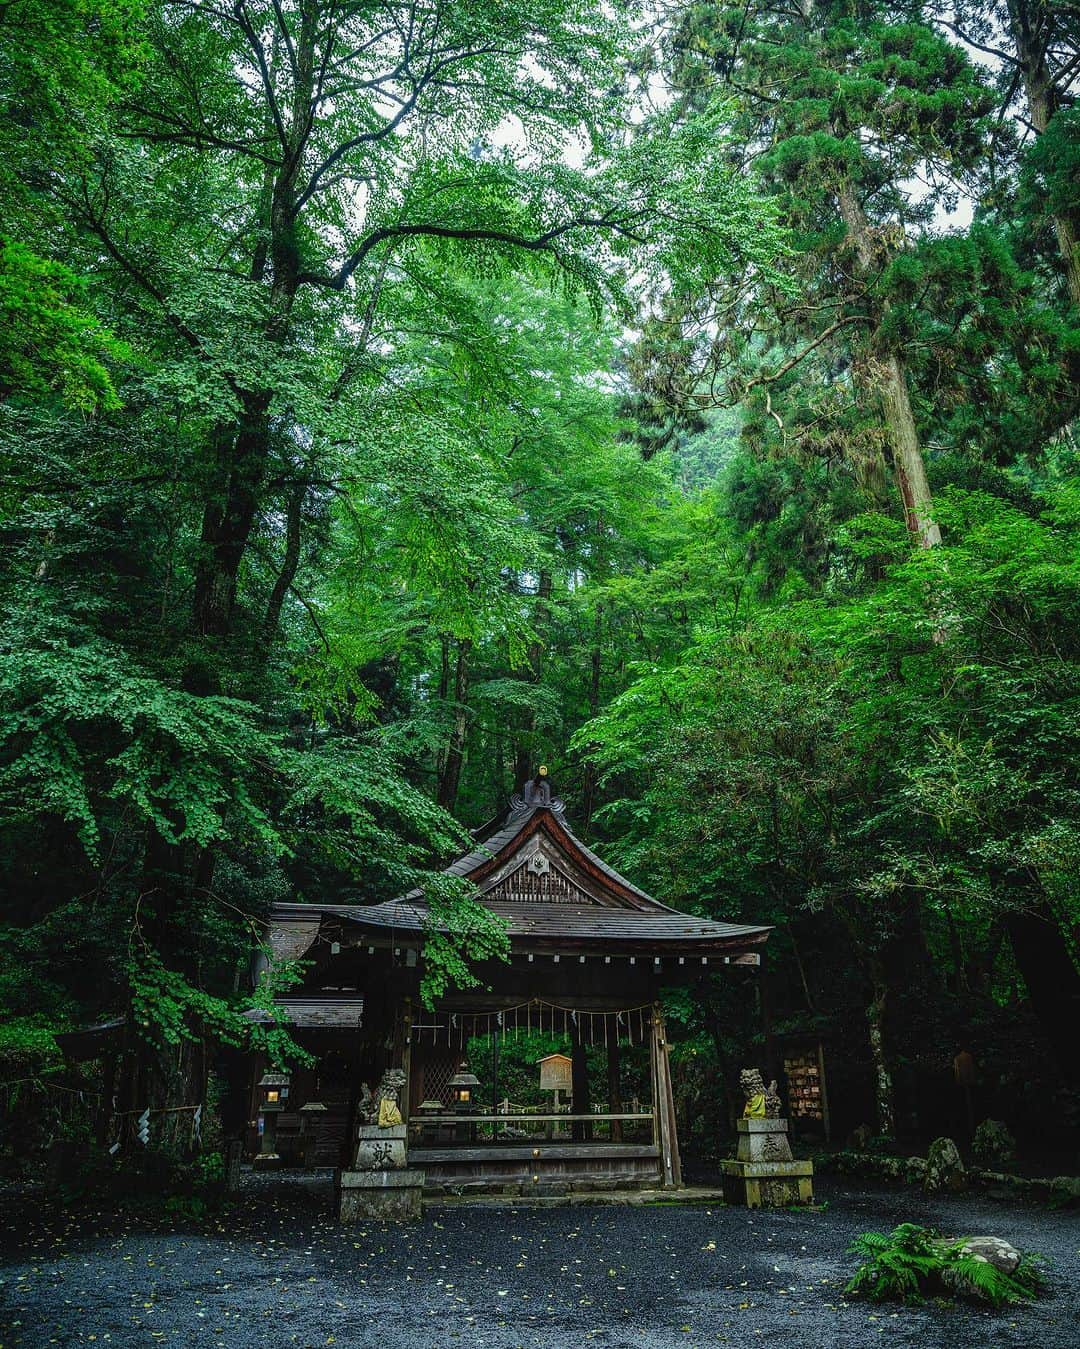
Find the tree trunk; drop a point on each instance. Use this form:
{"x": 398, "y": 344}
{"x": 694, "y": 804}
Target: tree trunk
{"x": 981, "y": 962}
{"x": 908, "y": 461}
{"x": 1070, "y": 253}
{"x": 289, "y": 564}
{"x": 229, "y": 514}
{"x": 956, "y": 947}
{"x": 772, "y": 1053}
{"x": 450, "y": 777}
{"x": 1043, "y": 102}
{"x": 588, "y": 787}
{"x": 884, "y": 1091}
{"x": 232, "y": 507}
{"x": 890, "y": 379}
{"x": 524, "y": 766}
{"x": 542, "y": 612}
{"x": 716, "y": 1027}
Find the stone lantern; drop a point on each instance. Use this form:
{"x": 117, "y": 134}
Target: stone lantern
{"x": 273, "y": 1094}
{"x": 463, "y": 1090}
{"x": 463, "y": 1101}
{"x": 429, "y": 1111}
{"x": 309, "y": 1137}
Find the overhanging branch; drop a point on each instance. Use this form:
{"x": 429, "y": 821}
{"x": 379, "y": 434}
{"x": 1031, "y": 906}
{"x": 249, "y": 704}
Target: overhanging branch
{"x": 538, "y": 243}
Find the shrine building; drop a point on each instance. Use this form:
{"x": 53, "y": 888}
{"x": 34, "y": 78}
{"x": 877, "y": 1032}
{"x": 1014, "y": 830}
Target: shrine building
{"x": 589, "y": 955}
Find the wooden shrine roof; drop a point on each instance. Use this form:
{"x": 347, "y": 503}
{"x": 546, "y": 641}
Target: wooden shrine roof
{"x": 521, "y": 823}
{"x": 312, "y": 1013}
{"x": 553, "y": 893}
{"x": 91, "y": 1042}
{"x": 551, "y": 927}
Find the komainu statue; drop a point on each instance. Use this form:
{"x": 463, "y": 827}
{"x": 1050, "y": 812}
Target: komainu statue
{"x": 761, "y": 1102}
{"x": 763, "y": 1171}
{"x": 383, "y": 1108}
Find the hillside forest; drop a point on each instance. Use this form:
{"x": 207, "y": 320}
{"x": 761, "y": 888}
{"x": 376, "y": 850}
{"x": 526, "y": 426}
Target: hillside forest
{"x": 397, "y": 395}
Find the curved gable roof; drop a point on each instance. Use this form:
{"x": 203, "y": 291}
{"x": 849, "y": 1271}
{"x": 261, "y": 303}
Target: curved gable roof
{"x": 553, "y": 892}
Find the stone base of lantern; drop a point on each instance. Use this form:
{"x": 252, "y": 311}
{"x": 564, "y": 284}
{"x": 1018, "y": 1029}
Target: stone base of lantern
{"x": 764, "y": 1174}
{"x": 380, "y": 1185}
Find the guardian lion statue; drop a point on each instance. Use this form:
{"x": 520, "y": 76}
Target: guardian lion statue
{"x": 383, "y": 1108}
{"x": 761, "y": 1102}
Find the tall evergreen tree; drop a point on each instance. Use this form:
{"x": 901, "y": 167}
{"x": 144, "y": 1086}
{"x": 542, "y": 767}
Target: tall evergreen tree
{"x": 1035, "y": 47}
{"x": 864, "y": 121}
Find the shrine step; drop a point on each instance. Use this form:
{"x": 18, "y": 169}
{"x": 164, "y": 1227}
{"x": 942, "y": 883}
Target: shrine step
{"x": 635, "y": 1195}
{"x": 550, "y": 1170}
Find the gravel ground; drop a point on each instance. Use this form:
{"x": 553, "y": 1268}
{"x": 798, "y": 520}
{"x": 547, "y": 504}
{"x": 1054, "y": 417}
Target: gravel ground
{"x": 282, "y": 1272}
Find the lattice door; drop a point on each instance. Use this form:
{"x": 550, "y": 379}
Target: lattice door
{"x": 438, "y": 1070}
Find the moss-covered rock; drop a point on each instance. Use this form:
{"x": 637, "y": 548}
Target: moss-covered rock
{"x": 944, "y": 1168}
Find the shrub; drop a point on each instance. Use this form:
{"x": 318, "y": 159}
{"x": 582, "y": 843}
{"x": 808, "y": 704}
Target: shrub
{"x": 911, "y": 1263}
{"x": 993, "y": 1145}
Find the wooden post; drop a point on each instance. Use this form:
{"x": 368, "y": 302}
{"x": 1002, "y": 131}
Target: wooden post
{"x": 108, "y": 1091}
{"x": 676, "y": 1158}
{"x": 580, "y": 1131}
{"x": 664, "y": 1106}
{"x": 495, "y": 1049}
{"x": 234, "y": 1152}
{"x": 654, "y": 1092}
{"x": 826, "y": 1123}
{"x": 236, "y": 1108}
{"x": 661, "y": 1118}
{"x": 406, "y": 1056}
{"x": 772, "y": 1058}
{"x": 614, "y": 1087}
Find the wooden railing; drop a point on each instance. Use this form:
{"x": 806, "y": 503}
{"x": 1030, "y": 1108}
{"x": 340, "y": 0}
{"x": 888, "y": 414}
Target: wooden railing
{"x": 562, "y": 1118}
{"x": 529, "y": 1126}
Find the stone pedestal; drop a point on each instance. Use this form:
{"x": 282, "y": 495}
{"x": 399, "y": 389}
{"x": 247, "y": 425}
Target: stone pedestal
{"x": 763, "y": 1174}
{"x": 267, "y": 1158}
{"x": 380, "y": 1149}
{"x": 380, "y": 1183}
{"x": 395, "y": 1196}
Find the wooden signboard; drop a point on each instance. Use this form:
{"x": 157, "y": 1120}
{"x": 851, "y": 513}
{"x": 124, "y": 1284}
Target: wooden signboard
{"x": 805, "y": 1072}
{"x": 555, "y": 1073}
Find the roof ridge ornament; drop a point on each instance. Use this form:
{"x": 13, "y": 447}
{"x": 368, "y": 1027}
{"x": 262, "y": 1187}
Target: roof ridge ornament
{"x": 536, "y": 792}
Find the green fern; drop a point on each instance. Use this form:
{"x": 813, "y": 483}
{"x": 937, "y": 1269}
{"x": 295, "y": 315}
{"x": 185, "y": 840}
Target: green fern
{"x": 911, "y": 1263}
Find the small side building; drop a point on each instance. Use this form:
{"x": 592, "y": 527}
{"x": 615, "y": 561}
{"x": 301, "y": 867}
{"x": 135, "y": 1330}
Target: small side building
{"x": 589, "y": 954}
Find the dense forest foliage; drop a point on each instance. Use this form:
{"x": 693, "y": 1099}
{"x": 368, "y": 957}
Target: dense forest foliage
{"x": 395, "y": 395}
